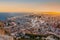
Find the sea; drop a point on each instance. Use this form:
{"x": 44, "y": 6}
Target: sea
{"x": 4, "y": 16}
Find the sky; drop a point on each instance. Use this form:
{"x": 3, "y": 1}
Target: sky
{"x": 29, "y": 5}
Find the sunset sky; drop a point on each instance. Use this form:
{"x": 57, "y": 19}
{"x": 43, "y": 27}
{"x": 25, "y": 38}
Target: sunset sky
{"x": 29, "y": 5}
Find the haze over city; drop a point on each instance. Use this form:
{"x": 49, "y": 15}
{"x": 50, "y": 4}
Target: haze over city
{"x": 29, "y": 19}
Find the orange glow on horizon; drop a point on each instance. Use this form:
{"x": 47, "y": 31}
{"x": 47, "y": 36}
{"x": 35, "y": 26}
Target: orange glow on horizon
{"x": 29, "y": 8}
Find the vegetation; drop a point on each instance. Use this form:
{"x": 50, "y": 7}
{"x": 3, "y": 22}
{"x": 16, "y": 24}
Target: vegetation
{"x": 34, "y": 37}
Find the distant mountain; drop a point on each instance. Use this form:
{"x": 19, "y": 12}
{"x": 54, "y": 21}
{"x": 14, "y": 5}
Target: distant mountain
{"x": 50, "y": 13}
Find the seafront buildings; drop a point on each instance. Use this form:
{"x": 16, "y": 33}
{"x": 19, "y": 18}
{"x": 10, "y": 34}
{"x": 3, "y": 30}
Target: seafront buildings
{"x": 17, "y": 27}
